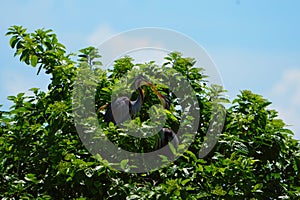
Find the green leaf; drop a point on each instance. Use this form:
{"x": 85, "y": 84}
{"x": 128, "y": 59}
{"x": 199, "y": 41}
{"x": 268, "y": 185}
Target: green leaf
{"x": 32, "y": 178}
{"x": 123, "y": 163}
{"x": 257, "y": 187}
{"x": 185, "y": 181}
{"x": 13, "y": 41}
{"x": 199, "y": 168}
{"x": 34, "y": 90}
{"x": 33, "y": 60}
{"x": 11, "y": 98}
{"x": 219, "y": 191}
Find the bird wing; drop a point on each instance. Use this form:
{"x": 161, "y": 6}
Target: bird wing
{"x": 165, "y": 136}
{"x": 118, "y": 111}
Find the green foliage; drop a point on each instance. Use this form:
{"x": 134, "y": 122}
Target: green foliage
{"x": 42, "y": 156}
{"x": 40, "y": 47}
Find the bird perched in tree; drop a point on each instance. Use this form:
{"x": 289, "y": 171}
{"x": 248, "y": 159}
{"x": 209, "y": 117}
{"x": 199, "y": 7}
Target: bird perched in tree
{"x": 165, "y": 135}
{"x": 122, "y": 108}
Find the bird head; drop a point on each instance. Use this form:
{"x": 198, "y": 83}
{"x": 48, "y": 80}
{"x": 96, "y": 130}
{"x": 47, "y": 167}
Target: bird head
{"x": 141, "y": 80}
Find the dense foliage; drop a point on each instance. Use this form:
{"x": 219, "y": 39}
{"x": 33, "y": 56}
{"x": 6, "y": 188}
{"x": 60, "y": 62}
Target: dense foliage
{"x": 42, "y": 156}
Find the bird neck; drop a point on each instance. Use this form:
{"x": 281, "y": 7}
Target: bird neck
{"x": 137, "y": 104}
{"x": 140, "y": 98}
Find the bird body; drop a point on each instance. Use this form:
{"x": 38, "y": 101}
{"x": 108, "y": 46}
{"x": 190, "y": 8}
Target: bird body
{"x": 116, "y": 110}
{"x": 165, "y": 136}
{"x": 122, "y": 108}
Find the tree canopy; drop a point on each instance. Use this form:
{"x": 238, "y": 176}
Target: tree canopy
{"x": 42, "y": 155}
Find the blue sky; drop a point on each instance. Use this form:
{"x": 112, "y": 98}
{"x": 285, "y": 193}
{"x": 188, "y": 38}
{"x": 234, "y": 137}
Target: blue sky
{"x": 255, "y": 44}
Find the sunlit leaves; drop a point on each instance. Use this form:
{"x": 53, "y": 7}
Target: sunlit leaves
{"x": 40, "y": 47}
{"x": 90, "y": 56}
{"x": 33, "y": 60}
{"x": 42, "y": 156}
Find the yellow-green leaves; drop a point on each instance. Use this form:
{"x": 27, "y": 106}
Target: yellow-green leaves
{"x": 33, "y": 60}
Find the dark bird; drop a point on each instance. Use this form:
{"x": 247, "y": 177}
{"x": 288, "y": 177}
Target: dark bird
{"x": 122, "y": 108}
{"x": 165, "y": 135}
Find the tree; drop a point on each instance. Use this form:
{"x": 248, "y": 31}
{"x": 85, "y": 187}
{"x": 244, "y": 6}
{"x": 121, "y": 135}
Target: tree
{"x": 42, "y": 156}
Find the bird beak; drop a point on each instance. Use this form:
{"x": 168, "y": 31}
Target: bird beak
{"x": 164, "y": 100}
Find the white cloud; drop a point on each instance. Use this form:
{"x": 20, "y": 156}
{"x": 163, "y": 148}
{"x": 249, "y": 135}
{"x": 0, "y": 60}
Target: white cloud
{"x": 289, "y": 85}
{"x": 286, "y": 99}
{"x": 112, "y": 45}
{"x": 150, "y": 44}
{"x": 101, "y": 34}
{"x": 262, "y": 73}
